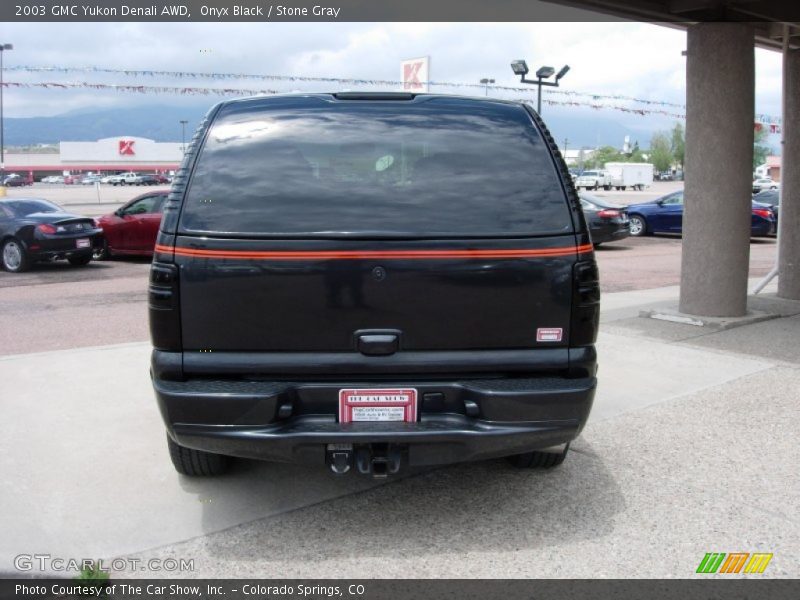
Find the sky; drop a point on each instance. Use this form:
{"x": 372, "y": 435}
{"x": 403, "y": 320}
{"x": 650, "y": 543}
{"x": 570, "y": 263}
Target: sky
{"x": 631, "y": 59}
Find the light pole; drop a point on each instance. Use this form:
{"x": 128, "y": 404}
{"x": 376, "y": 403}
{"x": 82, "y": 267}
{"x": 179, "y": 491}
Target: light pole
{"x": 520, "y": 67}
{"x": 486, "y": 83}
{"x": 183, "y": 135}
{"x": 3, "y": 48}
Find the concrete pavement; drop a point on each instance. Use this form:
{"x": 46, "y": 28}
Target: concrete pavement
{"x": 691, "y": 448}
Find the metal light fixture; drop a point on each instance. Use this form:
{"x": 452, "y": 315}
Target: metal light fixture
{"x": 183, "y": 134}
{"x": 3, "y": 49}
{"x": 486, "y": 81}
{"x": 520, "y": 68}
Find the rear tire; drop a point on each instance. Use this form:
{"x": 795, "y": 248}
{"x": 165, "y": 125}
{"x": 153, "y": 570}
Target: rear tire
{"x": 538, "y": 459}
{"x": 102, "y": 252}
{"x": 15, "y": 258}
{"x": 196, "y": 463}
{"x": 638, "y": 226}
{"x": 80, "y": 261}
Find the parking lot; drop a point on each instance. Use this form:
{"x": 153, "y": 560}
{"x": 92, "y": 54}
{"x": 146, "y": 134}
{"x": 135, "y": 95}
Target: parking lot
{"x": 635, "y": 484}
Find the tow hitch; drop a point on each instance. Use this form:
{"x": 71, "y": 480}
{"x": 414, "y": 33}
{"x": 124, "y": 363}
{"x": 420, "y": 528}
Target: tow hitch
{"x": 378, "y": 460}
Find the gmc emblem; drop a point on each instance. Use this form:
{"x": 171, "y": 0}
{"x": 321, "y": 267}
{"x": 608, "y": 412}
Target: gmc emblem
{"x": 126, "y": 147}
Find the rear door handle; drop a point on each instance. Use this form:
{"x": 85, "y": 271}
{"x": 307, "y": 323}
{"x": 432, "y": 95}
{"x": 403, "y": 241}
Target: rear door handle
{"x": 378, "y": 344}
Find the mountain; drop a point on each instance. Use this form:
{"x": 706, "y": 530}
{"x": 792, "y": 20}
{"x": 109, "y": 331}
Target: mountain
{"x": 582, "y": 127}
{"x": 159, "y": 123}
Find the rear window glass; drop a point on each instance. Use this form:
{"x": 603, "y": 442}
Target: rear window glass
{"x": 23, "y": 208}
{"x": 307, "y": 166}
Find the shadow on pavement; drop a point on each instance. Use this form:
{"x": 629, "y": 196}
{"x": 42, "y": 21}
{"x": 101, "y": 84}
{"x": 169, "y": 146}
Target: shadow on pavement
{"x": 472, "y": 507}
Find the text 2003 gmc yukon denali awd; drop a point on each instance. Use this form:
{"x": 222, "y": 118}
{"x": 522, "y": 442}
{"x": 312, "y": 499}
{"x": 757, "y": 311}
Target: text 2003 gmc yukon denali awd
{"x": 372, "y": 281}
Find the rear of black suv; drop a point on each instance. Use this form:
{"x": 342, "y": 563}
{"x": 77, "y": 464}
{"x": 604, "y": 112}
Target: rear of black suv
{"x": 372, "y": 281}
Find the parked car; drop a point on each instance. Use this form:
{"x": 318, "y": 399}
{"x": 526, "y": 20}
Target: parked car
{"x": 90, "y": 179}
{"x": 151, "y": 179}
{"x": 132, "y": 229}
{"x": 15, "y": 180}
{"x": 607, "y": 221}
{"x": 33, "y": 230}
{"x": 665, "y": 176}
{"x": 129, "y": 178}
{"x": 593, "y": 180}
{"x": 373, "y": 285}
{"x": 665, "y": 215}
{"x": 764, "y": 183}
{"x": 772, "y": 199}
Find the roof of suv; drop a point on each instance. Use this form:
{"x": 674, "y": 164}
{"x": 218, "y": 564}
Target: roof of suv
{"x": 372, "y": 96}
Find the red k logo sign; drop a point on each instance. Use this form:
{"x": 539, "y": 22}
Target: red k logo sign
{"x": 411, "y": 75}
{"x": 126, "y": 147}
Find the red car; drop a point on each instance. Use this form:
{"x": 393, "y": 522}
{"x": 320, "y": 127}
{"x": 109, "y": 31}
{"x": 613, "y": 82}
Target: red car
{"x": 132, "y": 229}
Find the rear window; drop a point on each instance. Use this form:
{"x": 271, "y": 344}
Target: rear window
{"x": 23, "y": 208}
{"x": 306, "y": 166}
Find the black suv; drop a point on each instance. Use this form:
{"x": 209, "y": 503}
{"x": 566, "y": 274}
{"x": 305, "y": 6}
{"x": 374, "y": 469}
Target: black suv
{"x": 372, "y": 281}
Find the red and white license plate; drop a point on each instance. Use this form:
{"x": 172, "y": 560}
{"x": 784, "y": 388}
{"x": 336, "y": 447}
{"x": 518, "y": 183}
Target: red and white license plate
{"x": 378, "y": 404}
{"x": 83, "y": 243}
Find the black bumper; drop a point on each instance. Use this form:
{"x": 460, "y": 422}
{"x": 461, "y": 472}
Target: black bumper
{"x": 63, "y": 246}
{"x": 295, "y": 421}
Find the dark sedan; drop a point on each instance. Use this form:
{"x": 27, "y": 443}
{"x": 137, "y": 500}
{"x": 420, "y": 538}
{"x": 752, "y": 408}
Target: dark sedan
{"x": 34, "y": 230}
{"x": 665, "y": 215}
{"x": 771, "y": 198}
{"x": 132, "y": 229}
{"x": 607, "y": 222}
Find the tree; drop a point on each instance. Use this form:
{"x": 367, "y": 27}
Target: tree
{"x": 603, "y": 155}
{"x": 661, "y": 151}
{"x": 678, "y": 145}
{"x": 635, "y": 155}
{"x": 760, "y": 148}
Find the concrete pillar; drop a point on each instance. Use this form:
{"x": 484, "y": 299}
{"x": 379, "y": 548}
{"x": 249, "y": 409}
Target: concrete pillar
{"x": 720, "y": 107}
{"x": 789, "y": 214}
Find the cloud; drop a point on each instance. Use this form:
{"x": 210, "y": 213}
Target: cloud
{"x": 632, "y": 59}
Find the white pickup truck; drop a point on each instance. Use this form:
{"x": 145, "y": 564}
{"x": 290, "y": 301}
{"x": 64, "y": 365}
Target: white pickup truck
{"x": 129, "y": 178}
{"x": 593, "y": 180}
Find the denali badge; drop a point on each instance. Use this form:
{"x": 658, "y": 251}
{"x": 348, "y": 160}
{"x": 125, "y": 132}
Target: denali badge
{"x": 549, "y": 334}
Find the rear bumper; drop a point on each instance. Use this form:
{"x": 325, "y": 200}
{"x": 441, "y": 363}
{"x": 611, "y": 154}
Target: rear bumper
{"x": 62, "y": 246}
{"x": 295, "y": 421}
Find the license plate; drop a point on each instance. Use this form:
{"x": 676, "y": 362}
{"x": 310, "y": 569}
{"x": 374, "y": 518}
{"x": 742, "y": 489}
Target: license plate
{"x": 378, "y": 404}
{"x": 83, "y": 243}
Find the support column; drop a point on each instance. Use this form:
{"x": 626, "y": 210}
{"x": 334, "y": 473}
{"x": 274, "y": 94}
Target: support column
{"x": 789, "y": 213}
{"x": 720, "y": 107}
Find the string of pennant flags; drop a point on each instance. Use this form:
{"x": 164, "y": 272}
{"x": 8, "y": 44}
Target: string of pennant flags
{"x": 205, "y": 91}
{"x": 339, "y": 80}
{"x": 766, "y": 122}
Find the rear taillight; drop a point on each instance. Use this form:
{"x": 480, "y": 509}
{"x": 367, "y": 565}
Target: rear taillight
{"x": 46, "y": 228}
{"x": 585, "y": 303}
{"x": 608, "y": 213}
{"x": 764, "y": 213}
{"x": 165, "y": 330}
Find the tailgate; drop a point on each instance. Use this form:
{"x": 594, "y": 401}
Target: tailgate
{"x": 304, "y": 296}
